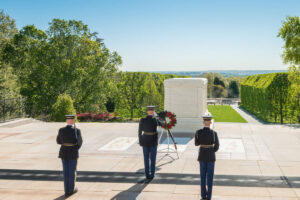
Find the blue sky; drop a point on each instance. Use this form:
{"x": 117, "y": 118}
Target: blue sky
{"x": 162, "y": 35}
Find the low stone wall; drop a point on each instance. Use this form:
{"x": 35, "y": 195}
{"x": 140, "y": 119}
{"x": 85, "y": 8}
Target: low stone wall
{"x": 223, "y": 101}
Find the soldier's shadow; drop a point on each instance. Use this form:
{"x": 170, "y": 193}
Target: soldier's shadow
{"x": 164, "y": 160}
{"x": 131, "y": 193}
{"x": 134, "y": 191}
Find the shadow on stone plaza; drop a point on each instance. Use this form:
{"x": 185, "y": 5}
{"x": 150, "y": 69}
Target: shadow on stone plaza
{"x": 161, "y": 178}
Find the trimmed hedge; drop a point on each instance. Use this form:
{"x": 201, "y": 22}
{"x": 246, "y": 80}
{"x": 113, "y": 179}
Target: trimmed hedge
{"x": 268, "y": 97}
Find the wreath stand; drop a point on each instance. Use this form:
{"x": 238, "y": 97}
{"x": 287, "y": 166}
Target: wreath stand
{"x": 169, "y": 150}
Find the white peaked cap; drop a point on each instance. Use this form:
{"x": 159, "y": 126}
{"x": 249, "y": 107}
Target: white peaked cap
{"x": 207, "y": 115}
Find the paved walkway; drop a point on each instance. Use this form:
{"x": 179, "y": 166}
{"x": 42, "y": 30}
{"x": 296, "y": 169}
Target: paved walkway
{"x": 255, "y": 161}
{"x": 249, "y": 118}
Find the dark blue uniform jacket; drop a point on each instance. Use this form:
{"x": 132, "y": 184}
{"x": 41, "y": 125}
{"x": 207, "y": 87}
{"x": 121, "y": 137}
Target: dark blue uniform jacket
{"x": 206, "y": 136}
{"x": 67, "y": 135}
{"x": 148, "y": 124}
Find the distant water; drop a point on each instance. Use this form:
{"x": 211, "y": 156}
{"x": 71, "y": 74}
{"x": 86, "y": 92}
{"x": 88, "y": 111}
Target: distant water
{"x": 224, "y": 73}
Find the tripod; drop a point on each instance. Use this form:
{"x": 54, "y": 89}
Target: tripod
{"x": 168, "y": 149}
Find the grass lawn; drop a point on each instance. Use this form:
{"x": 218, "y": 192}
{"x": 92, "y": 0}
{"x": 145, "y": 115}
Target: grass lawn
{"x": 225, "y": 113}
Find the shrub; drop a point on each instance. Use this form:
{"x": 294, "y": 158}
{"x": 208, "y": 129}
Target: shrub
{"x": 63, "y": 106}
{"x": 94, "y": 117}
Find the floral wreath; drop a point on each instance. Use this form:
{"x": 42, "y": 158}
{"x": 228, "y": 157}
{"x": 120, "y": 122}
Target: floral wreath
{"x": 168, "y": 119}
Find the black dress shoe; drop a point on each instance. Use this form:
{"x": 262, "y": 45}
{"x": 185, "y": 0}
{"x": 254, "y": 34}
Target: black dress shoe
{"x": 67, "y": 195}
{"x": 75, "y": 191}
{"x": 142, "y": 181}
{"x": 148, "y": 180}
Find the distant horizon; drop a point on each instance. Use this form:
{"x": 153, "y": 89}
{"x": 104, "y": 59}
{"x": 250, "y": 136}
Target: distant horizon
{"x": 212, "y": 70}
{"x": 224, "y": 73}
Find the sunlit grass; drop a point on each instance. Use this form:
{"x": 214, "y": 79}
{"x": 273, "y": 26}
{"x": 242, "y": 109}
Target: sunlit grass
{"x": 225, "y": 113}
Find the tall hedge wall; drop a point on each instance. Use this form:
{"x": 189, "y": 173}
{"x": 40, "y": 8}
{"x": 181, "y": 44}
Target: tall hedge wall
{"x": 268, "y": 97}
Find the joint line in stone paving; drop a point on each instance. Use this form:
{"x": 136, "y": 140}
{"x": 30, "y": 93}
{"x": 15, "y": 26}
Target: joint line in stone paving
{"x": 161, "y": 178}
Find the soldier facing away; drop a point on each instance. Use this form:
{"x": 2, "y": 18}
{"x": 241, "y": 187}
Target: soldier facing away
{"x": 209, "y": 144}
{"x": 69, "y": 137}
{"x": 148, "y": 139}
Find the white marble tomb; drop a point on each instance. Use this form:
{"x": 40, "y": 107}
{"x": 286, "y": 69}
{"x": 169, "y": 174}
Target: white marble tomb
{"x": 186, "y": 97}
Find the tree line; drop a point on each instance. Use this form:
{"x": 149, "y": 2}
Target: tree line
{"x": 70, "y": 63}
{"x": 221, "y": 87}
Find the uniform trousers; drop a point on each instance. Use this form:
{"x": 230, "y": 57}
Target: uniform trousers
{"x": 150, "y": 155}
{"x": 206, "y": 175}
{"x": 69, "y": 172}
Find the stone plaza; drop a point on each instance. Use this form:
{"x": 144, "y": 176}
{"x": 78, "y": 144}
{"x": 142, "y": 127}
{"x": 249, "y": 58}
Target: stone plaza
{"x": 255, "y": 161}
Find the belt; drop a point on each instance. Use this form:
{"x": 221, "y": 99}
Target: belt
{"x": 68, "y": 144}
{"x": 206, "y": 145}
{"x": 149, "y": 133}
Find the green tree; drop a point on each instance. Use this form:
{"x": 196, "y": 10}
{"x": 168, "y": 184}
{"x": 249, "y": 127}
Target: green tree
{"x": 214, "y": 79}
{"x": 66, "y": 59}
{"x": 210, "y": 82}
{"x": 290, "y": 33}
{"x": 218, "y": 91}
{"x": 218, "y": 81}
{"x": 132, "y": 91}
{"x": 152, "y": 94}
{"x": 233, "y": 89}
{"x": 8, "y": 81}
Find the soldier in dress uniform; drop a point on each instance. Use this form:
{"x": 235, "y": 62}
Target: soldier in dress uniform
{"x": 209, "y": 144}
{"x": 69, "y": 137}
{"x": 148, "y": 139}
